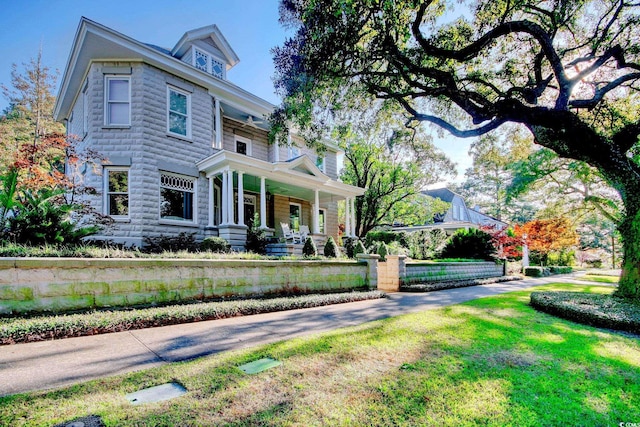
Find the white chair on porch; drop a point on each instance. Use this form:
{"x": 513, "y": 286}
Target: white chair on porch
{"x": 304, "y": 233}
{"x": 290, "y": 234}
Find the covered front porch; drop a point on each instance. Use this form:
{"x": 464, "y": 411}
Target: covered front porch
{"x": 294, "y": 192}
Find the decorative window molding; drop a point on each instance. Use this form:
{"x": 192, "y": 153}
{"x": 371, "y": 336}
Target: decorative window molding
{"x": 117, "y": 101}
{"x": 243, "y": 145}
{"x": 178, "y": 112}
{"x": 210, "y": 64}
{"x": 177, "y": 198}
{"x": 116, "y": 192}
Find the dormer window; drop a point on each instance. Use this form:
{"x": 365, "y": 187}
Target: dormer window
{"x": 207, "y": 63}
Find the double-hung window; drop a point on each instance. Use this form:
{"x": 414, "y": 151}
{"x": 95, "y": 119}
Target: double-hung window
{"x": 243, "y": 145}
{"x": 178, "y": 112}
{"x": 117, "y": 101}
{"x": 177, "y": 197}
{"x": 116, "y": 183}
{"x": 320, "y": 163}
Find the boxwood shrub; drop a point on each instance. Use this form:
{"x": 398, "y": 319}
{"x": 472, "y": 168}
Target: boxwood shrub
{"x": 604, "y": 311}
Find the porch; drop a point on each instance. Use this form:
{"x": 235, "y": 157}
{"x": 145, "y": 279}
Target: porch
{"x": 295, "y": 192}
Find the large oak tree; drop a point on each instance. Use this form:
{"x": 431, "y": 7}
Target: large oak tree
{"x": 569, "y": 71}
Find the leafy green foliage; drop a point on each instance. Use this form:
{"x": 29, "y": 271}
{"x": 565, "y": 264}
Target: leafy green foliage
{"x": 41, "y": 218}
{"x": 383, "y": 251}
{"x": 386, "y": 236}
{"x": 215, "y": 244}
{"x": 331, "y": 249}
{"x": 471, "y": 243}
{"x": 349, "y": 244}
{"x": 603, "y": 311}
{"x": 359, "y": 248}
{"x": 567, "y": 71}
{"x": 427, "y": 244}
{"x": 309, "y": 249}
{"x": 181, "y": 242}
{"x": 257, "y": 239}
{"x": 52, "y": 327}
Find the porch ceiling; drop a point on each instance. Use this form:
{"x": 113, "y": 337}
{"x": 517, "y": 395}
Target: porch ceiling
{"x": 297, "y": 178}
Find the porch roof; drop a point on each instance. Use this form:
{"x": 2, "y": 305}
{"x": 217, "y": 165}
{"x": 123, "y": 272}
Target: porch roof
{"x": 298, "y": 177}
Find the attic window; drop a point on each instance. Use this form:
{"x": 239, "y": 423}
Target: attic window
{"x": 207, "y": 63}
{"x": 217, "y": 68}
{"x": 201, "y": 60}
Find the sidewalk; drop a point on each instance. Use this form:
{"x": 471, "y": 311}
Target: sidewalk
{"x": 60, "y": 363}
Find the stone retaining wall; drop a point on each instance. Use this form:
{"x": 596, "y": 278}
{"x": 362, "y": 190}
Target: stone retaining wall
{"x": 448, "y": 271}
{"x": 59, "y": 284}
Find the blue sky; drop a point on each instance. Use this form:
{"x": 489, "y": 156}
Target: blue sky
{"x": 250, "y": 26}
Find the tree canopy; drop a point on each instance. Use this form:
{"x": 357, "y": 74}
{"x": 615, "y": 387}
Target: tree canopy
{"x": 569, "y": 71}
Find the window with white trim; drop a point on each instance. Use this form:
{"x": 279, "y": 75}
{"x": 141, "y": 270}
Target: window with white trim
{"x": 293, "y": 152}
{"x": 85, "y": 111}
{"x": 208, "y": 63}
{"x": 177, "y": 197}
{"x": 322, "y": 221}
{"x": 295, "y": 216}
{"x": 217, "y": 205}
{"x": 178, "y": 112}
{"x": 320, "y": 162}
{"x": 116, "y": 185}
{"x": 243, "y": 145}
{"x": 117, "y": 101}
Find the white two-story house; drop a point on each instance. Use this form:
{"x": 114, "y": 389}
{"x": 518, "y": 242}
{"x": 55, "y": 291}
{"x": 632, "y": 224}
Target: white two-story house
{"x": 185, "y": 150}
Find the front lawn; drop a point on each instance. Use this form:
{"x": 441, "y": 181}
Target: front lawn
{"x": 493, "y": 361}
{"x": 600, "y": 278}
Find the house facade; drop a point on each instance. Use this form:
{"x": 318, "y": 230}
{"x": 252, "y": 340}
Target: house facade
{"x": 183, "y": 149}
{"x": 458, "y": 216}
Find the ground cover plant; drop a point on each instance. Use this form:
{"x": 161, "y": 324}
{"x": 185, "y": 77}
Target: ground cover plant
{"x": 593, "y": 309}
{"x": 39, "y": 328}
{"x": 494, "y": 361}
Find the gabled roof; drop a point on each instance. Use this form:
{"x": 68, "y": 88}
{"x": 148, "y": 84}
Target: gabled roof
{"x": 210, "y": 31}
{"x": 95, "y": 42}
{"x": 443, "y": 194}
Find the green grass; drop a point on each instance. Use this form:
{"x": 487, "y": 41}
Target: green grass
{"x": 600, "y": 279}
{"x": 493, "y": 361}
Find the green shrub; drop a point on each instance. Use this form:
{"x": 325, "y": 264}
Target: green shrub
{"x": 181, "y": 242}
{"x": 387, "y": 236}
{"x": 560, "y": 269}
{"x": 215, "y": 244}
{"x": 471, "y": 243}
{"x": 44, "y": 217}
{"x": 599, "y": 310}
{"x": 98, "y": 322}
{"x": 534, "y": 271}
{"x": 359, "y": 248}
{"x": 349, "y": 244}
{"x": 257, "y": 239}
{"x": 331, "y": 249}
{"x": 383, "y": 251}
{"x": 309, "y": 249}
{"x": 427, "y": 244}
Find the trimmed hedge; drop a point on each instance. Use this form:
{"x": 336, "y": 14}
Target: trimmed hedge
{"x": 546, "y": 271}
{"x": 603, "y": 311}
{"x": 438, "y": 286}
{"x": 42, "y": 328}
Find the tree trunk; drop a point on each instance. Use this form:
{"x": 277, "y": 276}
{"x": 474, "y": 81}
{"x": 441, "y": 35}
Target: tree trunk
{"x": 629, "y": 286}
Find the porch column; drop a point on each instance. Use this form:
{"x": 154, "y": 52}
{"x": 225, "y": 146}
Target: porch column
{"x": 225, "y": 200}
{"x": 230, "y": 214}
{"x": 211, "y": 201}
{"x": 263, "y": 202}
{"x": 347, "y": 218}
{"x": 352, "y": 209}
{"x": 240, "y": 199}
{"x": 217, "y": 123}
{"x": 314, "y": 218}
